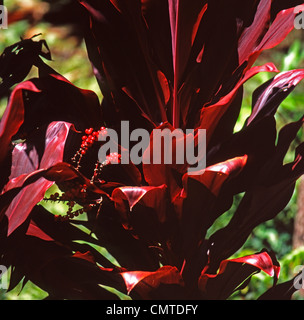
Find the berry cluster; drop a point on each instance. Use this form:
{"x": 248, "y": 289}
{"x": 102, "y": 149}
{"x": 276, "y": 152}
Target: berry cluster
{"x": 75, "y": 191}
{"x": 71, "y": 214}
{"x": 87, "y": 141}
{"x": 78, "y": 192}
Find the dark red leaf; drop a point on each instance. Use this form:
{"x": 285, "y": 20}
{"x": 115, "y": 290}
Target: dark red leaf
{"x": 59, "y": 100}
{"x": 214, "y": 176}
{"x": 144, "y": 211}
{"x": 269, "y": 193}
{"x": 86, "y": 256}
{"x": 252, "y": 35}
{"x": 210, "y": 115}
{"x": 233, "y": 272}
{"x": 35, "y": 231}
{"x": 184, "y": 23}
{"x": 30, "y": 195}
{"x": 195, "y": 206}
{"x": 277, "y": 32}
{"x": 132, "y": 83}
{"x": 13, "y": 116}
{"x": 57, "y": 271}
{"x": 146, "y": 195}
{"x": 282, "y": 291}
{"x": 159, "y": 174}
{"x": 145, "y": 283}
{"x": 267, "y": 101}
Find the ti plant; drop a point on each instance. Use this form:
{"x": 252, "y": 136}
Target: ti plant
{"x": 159, "y": 64}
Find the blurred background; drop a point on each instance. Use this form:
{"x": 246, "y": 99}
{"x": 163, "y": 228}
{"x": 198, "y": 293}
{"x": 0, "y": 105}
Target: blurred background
{"x": 57, "y": 23}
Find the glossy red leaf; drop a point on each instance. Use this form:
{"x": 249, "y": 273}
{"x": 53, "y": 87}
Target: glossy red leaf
{"x": 146, "y": 282}
{"x": 31, "y": 101}
{"x": 60, "y": 100}
{"x": 251, "y": 36}
{"x": 284, "y": 82}
{"x": 132, "y": 83}
{"x": 35, "y": 231}
{"x": 277, "y": 32}
{"x": 195, "y": 207}
{"x": 214, "y": 176}
{"x": 133, "y": 278}
{"x": 86, "y": 256}
{"x": 143, "y": 209}
{"x": 13, "y": 116}
{"x": 262, "y": 261}
{"x": 149, "y": 196}
{"x": 159, "y": 174}
{"x": 56, "y": 136}
{"x": 55, "y": 139}
{"x": 270, "y": 191}
{"x": 259, "y": 36}
{"x": 184, "y": 23}
{"x": 233, "y": 273}
{"x": 210, "y": 115}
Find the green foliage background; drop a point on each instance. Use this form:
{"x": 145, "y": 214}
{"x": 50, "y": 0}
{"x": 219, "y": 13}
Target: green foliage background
{"x": 70, "y": 59}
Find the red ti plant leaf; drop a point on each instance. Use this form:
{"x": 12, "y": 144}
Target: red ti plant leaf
{"x": 267, "y": 101}
{"x": 195, "y": 208}
{"x": 252, "y": 34}
{"x": 184, "y": 23}
{"x": 214, "y": 176}
{"x": 150, "y": 285}
{"x": 55, "y": 139}
{"x": 233, "y": 274}
{"x": 86, "y": 256}
{"x": 157, "y": 174}
{"x": 59, "y": 100}
{"x": 259, "y": 37}
{"x": 38, "y": 102}
{"x": 277, "y": 32}
{"x": 56, "y": 136}
{"x": 57, "y": 270}
{"x": 269, "y": 193}
{"x": 134, "y": 195}
{"x": 34, "y": 230}
{"x": 13, "y": 116}
{"x": 143, "y": 210}
{"x": 30, "y": 102}
{"x": 165, "y": 170}
{"x": 210, "y": 115}
{"x": 171, "y": 56}
{"x": 132, "y": 82}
